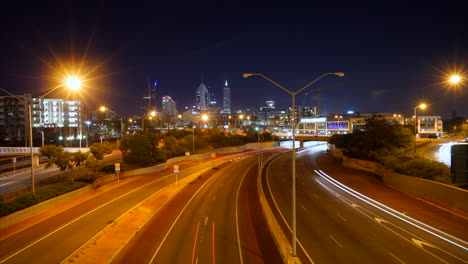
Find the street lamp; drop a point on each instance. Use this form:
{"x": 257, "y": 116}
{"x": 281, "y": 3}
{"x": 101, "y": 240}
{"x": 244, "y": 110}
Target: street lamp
{"x": 421, "y": 106}
{"x": 72, "y": 83}
{"x": 104, "y": 109}
{"x": 87, "y": 132}
{"x": 293, "y": 95}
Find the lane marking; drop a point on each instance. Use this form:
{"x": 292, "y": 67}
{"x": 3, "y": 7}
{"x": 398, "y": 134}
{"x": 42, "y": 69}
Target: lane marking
{"x": 237, "y": 213}
{"x": 182, "y": 211}
{"x": 279, "y": 211}
{"x": 213, "y": 239}
{"x": 206, "y": 219}
{"x": 335, "y": 241}
{"x": 214, "y": 197}
{"x": 303, "y": 207}
{"x": 195, "y": 242}
{"x": 344, "y": 219}
{"x": 92, "y": 211}
{"x": 391, "y": 230}
{"x": 185, "y": 207}
{"x": 316, "y": 196}
{"x": 401, "y": 261}
{"x": 400, "y": 228}
{"x": 394, "y": 212}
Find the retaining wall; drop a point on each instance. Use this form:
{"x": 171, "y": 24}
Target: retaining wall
{"x": 444, "y": 193}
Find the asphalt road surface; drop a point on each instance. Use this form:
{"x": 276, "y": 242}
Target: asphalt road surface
{"x": 217, "y": 219}
{"x": 54, "y": 239}
{"x": 337, "y": 225}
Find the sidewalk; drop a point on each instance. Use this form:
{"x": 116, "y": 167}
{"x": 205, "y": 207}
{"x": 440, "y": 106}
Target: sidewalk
{"x": 441, "y": 216}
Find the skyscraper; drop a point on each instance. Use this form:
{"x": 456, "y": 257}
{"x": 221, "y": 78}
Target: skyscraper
{"x": 226, "y": 99}
{"x": 202, "y": 97}
{"x": 168, "y": 107}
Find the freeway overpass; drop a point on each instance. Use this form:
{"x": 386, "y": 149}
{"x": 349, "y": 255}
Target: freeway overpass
{"x": 301, "y": 138}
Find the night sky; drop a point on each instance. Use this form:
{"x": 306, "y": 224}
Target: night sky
{"x": 392, "y": 57}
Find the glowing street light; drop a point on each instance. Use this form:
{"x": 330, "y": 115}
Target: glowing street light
{"x": 293, "y": 95}
{"x": 454, "y": 79}
{"x": 420, "y": 106}
{"x": 71, "y": 84}
{"x": 104, "y": 109}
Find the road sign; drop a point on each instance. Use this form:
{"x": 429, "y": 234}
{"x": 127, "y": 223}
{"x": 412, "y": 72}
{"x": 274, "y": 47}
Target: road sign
{"x": 14, "y": 159}
{"x": 117, "y": 167}
{"x": 176, "y": 169}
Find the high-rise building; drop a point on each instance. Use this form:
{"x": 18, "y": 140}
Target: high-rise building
{"x": 202, "y": 97}
{"x": 46, "y": 113}
{"x": 168, "y": 107}
{"x": 226, "y": 99}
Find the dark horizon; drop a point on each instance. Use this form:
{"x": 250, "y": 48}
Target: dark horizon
{"x": 392, "y": 57}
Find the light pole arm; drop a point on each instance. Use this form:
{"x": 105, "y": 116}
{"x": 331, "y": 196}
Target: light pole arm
{"x": 312, "y": 82}
{"x": 273, "y": 82}
{"x": 22, "y": 100}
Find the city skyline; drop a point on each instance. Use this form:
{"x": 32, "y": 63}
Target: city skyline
{"x": 392, "y": 58}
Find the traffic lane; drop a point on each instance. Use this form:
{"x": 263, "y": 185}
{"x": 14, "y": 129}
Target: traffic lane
{"x": 258, "y": 245}
{"x": 143, "y": 245}
{"x": 206, "y": 231}
{"x": 23, "y": 178}
{"x": 23, "y": 238}
{"x": 440, "y": 216}
{"x": 45, "y": 249}
{"x": 432, "y": 241}
{"x": 326, "y": 236}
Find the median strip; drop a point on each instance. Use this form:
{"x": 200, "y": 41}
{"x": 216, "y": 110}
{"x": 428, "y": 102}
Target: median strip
{"x": 107, "y": 244}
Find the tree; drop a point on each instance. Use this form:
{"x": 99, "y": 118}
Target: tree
{"x": 99, "y": 150}
{"x": 142, "y": 148}
{"x": 79, "y": 158}
{"x": 378, "y": 136}
{"x": 56, "y": 155}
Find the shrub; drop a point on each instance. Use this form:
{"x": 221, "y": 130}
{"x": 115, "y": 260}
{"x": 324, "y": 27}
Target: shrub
{"x": 42, "y": 193}
{"x": 424, "y": 168}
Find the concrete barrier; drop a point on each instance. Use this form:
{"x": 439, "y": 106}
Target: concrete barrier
{"x": 279, "y": 237}
{"x": 20, "y": 215}
{"x": 436, "y": 191}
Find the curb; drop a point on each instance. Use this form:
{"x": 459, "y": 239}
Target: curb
{"x": 94, "y": 247}
{"x": 279, "y": 237}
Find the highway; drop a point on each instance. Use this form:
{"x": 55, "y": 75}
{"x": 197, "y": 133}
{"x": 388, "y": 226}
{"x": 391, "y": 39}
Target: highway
{"x": 218, "y": 219}
{"x": 21, "y": 178}
{"x": 337, "y": 225}
{"x": 11, "y": 181}
{"x": 55, "y": 238}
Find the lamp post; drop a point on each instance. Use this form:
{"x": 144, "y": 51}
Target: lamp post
{"x": 72, "y": 83}
{"x": 293, "y": 97}
{"x": 104, "y": 109}
{"x": 422, "y": 106}
{"x": 87, "y": 132}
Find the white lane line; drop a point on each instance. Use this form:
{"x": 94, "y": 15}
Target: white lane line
{"x": 401, "y": 261}
{"x": 316, "y": 196}
{"x": 335, "y": 241}
{"x": 394, "y": 212}
{"x": 281, "y": 214}
{"x": 206, "y": 219}
{"x": 362, "y": 209}
{"x": 62, "y": 227}
{"x": 398, "y": 227}
{"x": 237, "y": 213}
{"x": 344, "y": 219}
{"x": 303, "y": 207}
{"x": 214, "y": 197}
{"x": 182, "y": 211}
